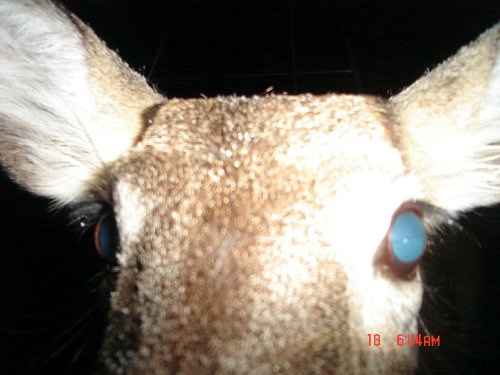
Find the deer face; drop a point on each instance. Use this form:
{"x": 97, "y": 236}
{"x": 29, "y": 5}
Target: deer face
{"x": 242, "y": 242}
{"x": 273, "y": 234}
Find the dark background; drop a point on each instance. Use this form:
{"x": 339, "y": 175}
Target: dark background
{"x": 48, "y": 319}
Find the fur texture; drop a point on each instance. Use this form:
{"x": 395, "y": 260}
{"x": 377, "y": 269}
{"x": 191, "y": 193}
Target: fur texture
{"x": 51, "y": 82}
{"x": 449, "y": 126}
{"x": 254, "y": 232}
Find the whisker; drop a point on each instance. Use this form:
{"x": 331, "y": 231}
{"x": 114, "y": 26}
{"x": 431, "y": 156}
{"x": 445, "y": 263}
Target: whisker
{"x": 74, "y": 334}
{"x": 162, "y": 43}
{"x": 78, "y": 354}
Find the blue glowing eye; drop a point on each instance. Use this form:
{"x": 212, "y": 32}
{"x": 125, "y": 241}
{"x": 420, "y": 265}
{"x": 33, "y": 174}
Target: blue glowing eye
{"x": 106, "y": 238}
{"x": 408, "y": 238}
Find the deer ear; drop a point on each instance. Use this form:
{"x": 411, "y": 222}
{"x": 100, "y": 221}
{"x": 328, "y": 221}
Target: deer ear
{"x": 448, "y": 127}
{"x": 68, "y": 105}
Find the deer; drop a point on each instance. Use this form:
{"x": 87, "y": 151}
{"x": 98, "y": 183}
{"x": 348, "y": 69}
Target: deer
{"x": 248, "y": 235}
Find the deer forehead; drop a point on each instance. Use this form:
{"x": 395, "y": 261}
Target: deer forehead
{"x": 295, "y": 173}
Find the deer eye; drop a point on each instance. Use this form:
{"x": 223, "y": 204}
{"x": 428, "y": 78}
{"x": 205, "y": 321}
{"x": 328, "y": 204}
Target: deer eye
{"x": 407, "y": 237}
{"x": 404, "y": 244}
{"x": 106, "y": 239}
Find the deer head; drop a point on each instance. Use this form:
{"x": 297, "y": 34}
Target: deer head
{"x": 251, "y": 235}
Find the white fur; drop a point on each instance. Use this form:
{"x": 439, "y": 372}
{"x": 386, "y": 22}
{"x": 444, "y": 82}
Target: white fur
{"x": 132, "y": 213}
{"x": 47, "y": 110}
{"x": 450, "y": 126}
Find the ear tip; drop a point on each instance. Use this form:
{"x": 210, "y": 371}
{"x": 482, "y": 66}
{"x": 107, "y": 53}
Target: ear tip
{"x": 449, "y": 126}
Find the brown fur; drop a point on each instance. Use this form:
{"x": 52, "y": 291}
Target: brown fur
{"x": 255, "y": 232}
{"x": 221, "y": 222}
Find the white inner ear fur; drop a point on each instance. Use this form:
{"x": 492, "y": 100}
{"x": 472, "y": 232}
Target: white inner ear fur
{"x": 46, "y": 100}
{"x": 450, "y": 127}
{"x": 490, "y": 111}
{"x": 55, "y": 140}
